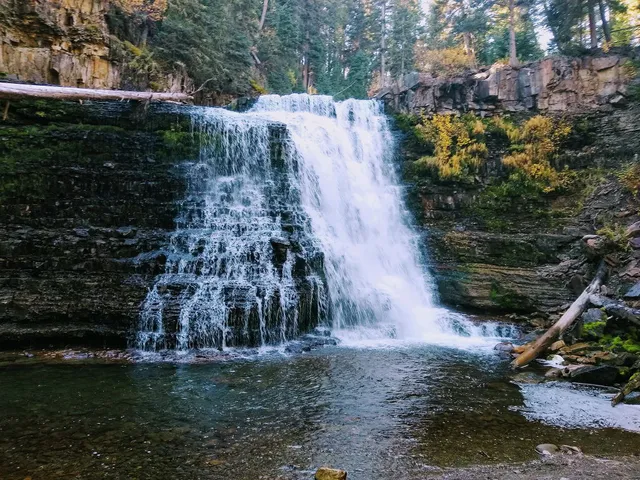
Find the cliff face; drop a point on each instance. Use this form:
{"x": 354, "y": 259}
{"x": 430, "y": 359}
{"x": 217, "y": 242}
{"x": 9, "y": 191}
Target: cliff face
{"x": 529, "y": 256}
{"x": 556, "y": 84}
{"x": 64, "y": 42}
{"x": 89, "y": 197}
{"x": 68, "y": 43}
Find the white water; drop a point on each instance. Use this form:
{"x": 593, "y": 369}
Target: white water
{"x": 342, "y": 189}
{"x": 378, "y": 284}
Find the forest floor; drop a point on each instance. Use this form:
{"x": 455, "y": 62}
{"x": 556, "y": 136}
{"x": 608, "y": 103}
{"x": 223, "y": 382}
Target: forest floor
{"x": 559, "y": 467}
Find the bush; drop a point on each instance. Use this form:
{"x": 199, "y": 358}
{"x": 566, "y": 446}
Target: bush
{"x": 458, "y": 145}
{"x": 447, "y": 61}
{"x": 630, "y": 178}
{"x": 534, "y": 146}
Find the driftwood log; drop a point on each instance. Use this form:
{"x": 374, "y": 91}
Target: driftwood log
{"x": 570, "y": 316}
{"x": 632, "y": 384}
{"x": 17, "y": 91}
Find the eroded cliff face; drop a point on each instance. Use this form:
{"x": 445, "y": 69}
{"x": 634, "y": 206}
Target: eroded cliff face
{"x": 63, "y": 42}
{"x": 554, "y": 85}
{"x": 69, "y": 43}
{"x": 530, "y": 256}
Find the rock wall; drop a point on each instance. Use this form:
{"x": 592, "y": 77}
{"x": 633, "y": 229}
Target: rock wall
{"x": 89, "y": 196}
{"x": 535, "y": 260}
{"x": 69, "y": 43}
{"x": 555, "y": 84}
{"x": 63, "y": 42}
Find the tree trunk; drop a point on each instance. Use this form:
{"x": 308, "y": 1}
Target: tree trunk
{"x": 144, "y": 35}
{"x": 605, "y": 23}
{"x": 11, "y": 91}
{"x": 513, "y": 54}
{"x": 305, "y": 66}
{"x": 593, "y": 34}
{"x": 576, "y": 309}
{"x": 265, "y": 8}
{"x": 383, "y": 45}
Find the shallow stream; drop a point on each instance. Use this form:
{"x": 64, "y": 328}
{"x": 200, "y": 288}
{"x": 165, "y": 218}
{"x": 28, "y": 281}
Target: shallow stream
{"x": 402, "y": 410}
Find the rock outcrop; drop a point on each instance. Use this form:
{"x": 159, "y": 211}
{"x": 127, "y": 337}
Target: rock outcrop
{"x": 68, "y": 43}
{"x": 63, "y": 43}
{"x": 532, "y": 258}
{"x": 555, "y": 84}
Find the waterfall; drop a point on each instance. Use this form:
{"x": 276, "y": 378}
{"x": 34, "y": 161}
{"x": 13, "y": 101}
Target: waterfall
{"x": 294, "y": 217}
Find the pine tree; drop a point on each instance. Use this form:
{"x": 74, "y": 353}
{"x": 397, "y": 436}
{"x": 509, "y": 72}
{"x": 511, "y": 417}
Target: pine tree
{"x": 404, "y": 33}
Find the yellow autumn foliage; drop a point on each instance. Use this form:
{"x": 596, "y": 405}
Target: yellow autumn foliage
{"x": 534, "y": 146}
{"x": 442, "y": 62}
{"x": 458, "y": 143}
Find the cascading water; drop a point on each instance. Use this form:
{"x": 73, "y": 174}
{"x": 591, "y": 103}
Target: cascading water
{"x": 232, "y": 276}
{"x": 379, "y": 287}
{"x": 245, "y": 260}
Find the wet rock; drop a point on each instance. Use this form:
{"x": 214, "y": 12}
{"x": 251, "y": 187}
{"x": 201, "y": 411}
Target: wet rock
{"x": 126, "y": 232}
{"x": 547, "y": 449}
{"x": 553, "y": 373}
{"x": 635, "y": 243}
{"x": 528, "y": 377}
{"x": 326, "y": 473}
{"x": 593, "y": 315}
{"x": 633, "y": 292}
{"x": 555, "y": 346}
{"x": 504, "y": 347}
{"x": 297, "y": 348}
{"x": 602, "y": 375}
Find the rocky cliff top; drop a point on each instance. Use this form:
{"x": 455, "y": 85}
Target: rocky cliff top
{"x": 554, "y": 84}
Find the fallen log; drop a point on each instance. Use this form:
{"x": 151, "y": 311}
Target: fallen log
{"x": 570, "y": 316}
{"x": 17, "y": 91}
{"x": 632, "y": 384}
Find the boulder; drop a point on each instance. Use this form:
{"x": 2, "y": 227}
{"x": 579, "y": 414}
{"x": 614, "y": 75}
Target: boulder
{"x": 602, "y": 375}
{"x": 593, "y": 315}
{"x": 623, "y": 359}
{"x": 504, "y": 347}
{"x": 634, "y": 292}
{"x": 555, "y": 346}
{"x": 326, "y": 473}
{"x": 595, "y": 245}
{"x": 603, "y": 63}
{"x": 633, "y": 230}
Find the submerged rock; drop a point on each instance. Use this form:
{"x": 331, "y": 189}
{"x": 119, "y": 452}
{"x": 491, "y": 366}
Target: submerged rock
{"x": 504, "y": 347}
{"x": 547, "y": 449}
{"x": 326, "y": 473}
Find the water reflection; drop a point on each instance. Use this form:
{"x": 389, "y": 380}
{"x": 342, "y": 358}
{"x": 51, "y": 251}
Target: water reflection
{"x": 369, "y": 411}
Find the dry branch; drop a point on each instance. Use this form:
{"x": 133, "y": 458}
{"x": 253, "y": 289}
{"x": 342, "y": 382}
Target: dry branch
{"x": 17, "y": 91}
{"x": 575, "y": 310}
